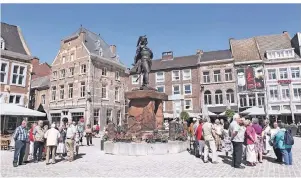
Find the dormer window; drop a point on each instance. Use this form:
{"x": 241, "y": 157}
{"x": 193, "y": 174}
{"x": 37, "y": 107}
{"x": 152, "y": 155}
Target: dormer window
{"x": 2, "y": 43}
{"x": 98, "y": 48}
{"x": 280, "y": 54}
{"x": 100, "y": 53}
{"x": 167, "y": 55}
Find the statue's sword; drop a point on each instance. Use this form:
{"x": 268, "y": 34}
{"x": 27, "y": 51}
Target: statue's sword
{"x": 139, "y": 77}
{"x": 138, "y": 66}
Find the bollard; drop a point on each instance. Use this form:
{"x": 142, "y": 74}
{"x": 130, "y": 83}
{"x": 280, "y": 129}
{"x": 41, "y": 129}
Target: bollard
{"x": 102, "y": 142}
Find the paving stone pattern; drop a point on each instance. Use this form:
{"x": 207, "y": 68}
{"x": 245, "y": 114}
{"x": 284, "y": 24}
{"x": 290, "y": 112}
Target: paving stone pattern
{"x": 94, "y": 163}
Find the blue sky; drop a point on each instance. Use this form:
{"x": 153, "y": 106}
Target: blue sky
{"x": 180, "y": 28}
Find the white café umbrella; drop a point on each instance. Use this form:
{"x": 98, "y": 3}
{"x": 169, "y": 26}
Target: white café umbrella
{"x": 15, "y": 110}
{"x": 227, "y": 108}
{"x": 223, "y": 113}
{"x": 206, "y": 113}
{"x": 168, "y": 115}
{"x": 254, "y": 111}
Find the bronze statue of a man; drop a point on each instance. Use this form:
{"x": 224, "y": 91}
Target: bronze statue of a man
{"x": 143, "y": 61}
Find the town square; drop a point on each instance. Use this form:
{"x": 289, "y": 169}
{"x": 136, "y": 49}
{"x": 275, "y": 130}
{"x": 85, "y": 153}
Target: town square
{"x": 136, "y": 90}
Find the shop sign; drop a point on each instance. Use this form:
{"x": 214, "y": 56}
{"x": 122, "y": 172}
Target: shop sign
{"x": 284, "y": 82}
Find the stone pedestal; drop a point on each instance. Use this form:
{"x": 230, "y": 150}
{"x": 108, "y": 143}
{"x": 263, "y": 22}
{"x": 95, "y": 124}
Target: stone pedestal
{"x": 145, "y": 110}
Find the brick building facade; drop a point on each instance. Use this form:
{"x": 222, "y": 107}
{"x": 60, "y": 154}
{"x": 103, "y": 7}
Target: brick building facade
{"x": 268, "y": 74}
{"x": 87, "y": 81}
{"x": 217, "y": 80}
{"x": 15, "y": 70}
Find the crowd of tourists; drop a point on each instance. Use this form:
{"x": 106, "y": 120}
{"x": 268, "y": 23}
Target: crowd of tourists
{"x": 40, "y": 142}
{"x": 245, "y": 138}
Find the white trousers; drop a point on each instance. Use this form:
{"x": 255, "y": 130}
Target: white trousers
{"x": 31, "y": 148}
{"x": 210, "y": 144}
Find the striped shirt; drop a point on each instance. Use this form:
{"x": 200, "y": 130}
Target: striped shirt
{"x": 20, "y": 134}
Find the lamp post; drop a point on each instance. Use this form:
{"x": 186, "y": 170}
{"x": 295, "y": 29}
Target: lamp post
{"x": 202, "y": 100}
{"x": 31, "y": 102}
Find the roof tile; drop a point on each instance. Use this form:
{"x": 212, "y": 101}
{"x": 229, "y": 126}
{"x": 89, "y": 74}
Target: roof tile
{"x": 12, "y": 38}
{"x": 244, "y": 50}
{"x": 40, "y": 82}
{"x": 272, "y": 42}
{"x": 176, "y": 62}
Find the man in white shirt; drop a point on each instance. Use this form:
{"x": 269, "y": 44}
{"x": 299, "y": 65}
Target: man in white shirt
{"x": 52, "y": 136}
{"x": 277, "y": 151}
{"x": 236, "y": 133}
{"x": 70, "y": 136}
{"x": 208, "y": 130}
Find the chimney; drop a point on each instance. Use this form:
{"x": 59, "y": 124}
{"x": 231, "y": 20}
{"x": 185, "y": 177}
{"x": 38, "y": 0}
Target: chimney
{"x": 35, "y": 61}
{"x": 113, "y": 49}
{"x": 199, "y": 52}
{"x": 167, "y": 55}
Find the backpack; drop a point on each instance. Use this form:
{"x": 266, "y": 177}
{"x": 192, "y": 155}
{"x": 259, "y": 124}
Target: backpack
{"x": 288, "y": 138}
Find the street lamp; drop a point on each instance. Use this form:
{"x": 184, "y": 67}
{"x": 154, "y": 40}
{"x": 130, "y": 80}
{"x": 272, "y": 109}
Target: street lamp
{"x": 202, "y": 102}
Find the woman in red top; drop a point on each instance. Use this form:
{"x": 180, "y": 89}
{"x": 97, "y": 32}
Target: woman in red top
{"x": 31, "y": 139}
{"x": 250, "y": 138}
{"x": 97, "y": 129}
{"x": 199, "y": 137}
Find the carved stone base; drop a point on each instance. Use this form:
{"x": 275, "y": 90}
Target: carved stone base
{"x": 145, "y": 110}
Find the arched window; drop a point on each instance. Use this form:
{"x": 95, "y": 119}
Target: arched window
{"x": 2, "y": 43}
{"x": 230, "y": 96}
{"x": 218, "y": 97}
{"x": 207, "y": 97}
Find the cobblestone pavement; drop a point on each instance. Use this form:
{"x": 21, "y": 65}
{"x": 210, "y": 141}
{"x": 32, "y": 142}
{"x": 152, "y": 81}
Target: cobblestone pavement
{"x": 92, "y": 162}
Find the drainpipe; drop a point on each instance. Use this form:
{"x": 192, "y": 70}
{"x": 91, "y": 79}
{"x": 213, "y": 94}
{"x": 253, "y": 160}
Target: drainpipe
{"x": 291, "y": 101}
{"x": 29, "y": 94}
{"x": 266, "y": 105}
{"x": 88, "y": 94}
{"x": 202, "y": 99}
{"x": 237, "y": 92}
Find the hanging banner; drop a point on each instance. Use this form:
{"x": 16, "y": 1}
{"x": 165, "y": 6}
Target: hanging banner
{"x": 259, "y": 77}
{"x": 250, "y": 78}
{"x": 241, "y": 80}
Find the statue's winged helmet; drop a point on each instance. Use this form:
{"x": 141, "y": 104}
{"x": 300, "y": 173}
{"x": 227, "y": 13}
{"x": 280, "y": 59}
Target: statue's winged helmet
{"x": 142, "y": 40}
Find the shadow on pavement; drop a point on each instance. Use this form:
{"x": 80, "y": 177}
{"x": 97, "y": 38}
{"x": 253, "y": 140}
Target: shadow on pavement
{"x": 80, "y": 155}
{"x": 270, "y": 159}
{"x": 226, "y": 159}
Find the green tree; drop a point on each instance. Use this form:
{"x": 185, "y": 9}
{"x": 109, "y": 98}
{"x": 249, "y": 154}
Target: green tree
{"x": 184, "y": 116}
{"x": 229, "y": 113}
